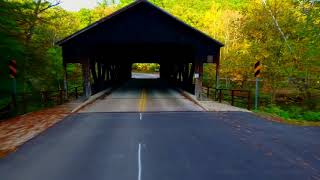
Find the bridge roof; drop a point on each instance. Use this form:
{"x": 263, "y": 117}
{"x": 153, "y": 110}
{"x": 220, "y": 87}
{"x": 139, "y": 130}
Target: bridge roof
{"x": 139, "y": 30}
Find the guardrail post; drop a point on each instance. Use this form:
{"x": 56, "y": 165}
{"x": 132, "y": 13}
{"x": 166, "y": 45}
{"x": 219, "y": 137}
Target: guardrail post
{"x": 45, "y": 97}
{"x": 249, "y": 100}
{"x": 24, "y": 103}
{"x": 208, "y": 92}
{"x": 14, "y": 100}
{"x": 232, "y": 97}
{"x": 215, "y": 94}
{"x": 60, "y": 96}
{"x": 220, "y": 95}
{"x": 42, "y": 98}
{"x": 76, "y": 92}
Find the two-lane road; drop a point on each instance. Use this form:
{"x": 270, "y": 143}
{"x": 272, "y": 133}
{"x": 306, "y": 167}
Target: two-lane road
{"x": 122, "y": 138}
{"x": 143, "y": 95}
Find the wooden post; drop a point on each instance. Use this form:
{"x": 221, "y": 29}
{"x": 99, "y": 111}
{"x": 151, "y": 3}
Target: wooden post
{"x": 232, "y": 97}
{"x": 14, "y": 100}
{"x": 65, "y": 79}
{"x": 45, "y": 98}
{"x": 249, "y": 100}
{"x": 191, "y": 75}
{"x": 218, "y": 70}
{"x": 220, "y": 95}
{"x": 60, "y": 96}
{"x": 198, "y": 82}
{"x": 76, "y": 92}
{"x": 24, "y": 103}
{"x": 86, "y": 78}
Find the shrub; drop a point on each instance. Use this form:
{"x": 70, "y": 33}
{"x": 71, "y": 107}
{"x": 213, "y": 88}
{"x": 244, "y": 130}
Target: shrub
{"x": 277, "y": 110}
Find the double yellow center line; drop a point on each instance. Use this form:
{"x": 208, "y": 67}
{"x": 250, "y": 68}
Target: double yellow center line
{"x": 143, "y": 100}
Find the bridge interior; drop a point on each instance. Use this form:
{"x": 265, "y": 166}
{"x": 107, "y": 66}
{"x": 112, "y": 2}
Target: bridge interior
{"x": 177, "y": 65}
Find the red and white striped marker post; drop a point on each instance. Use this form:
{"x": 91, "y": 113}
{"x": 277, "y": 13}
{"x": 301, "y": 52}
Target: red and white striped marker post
{"x": 257, "y": 71}
{"x": 13, "y": 73}
{"x": 13, "y": 69}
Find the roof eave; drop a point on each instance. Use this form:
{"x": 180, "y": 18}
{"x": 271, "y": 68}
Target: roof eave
{"x": 61, "y": 42}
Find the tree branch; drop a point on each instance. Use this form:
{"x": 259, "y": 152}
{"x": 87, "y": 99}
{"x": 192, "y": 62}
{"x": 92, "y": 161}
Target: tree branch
{"x": 50, "y": 6}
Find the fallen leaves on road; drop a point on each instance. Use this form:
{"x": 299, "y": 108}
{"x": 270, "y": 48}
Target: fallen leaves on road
{"x": 16, "y": 131}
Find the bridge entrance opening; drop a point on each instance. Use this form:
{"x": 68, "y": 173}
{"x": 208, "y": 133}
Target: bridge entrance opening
{"x": 145, "y": 71}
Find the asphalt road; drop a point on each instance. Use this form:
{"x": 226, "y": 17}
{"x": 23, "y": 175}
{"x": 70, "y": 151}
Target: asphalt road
{"x": 145, "y": 75}
{"x": 143, "y": 95}
{"x": 144, "y": 145}
{"x": 173, "y": 146}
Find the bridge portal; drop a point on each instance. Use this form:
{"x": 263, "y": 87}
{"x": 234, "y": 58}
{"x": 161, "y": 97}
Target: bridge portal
{"x": 140, "y": 33}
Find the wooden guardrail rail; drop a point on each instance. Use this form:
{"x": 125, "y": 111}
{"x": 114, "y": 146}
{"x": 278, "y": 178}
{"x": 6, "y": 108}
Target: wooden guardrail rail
{"x": 22, "y": 102}
{"x": 235, "y": 96}
{"x": 241, "y": 94}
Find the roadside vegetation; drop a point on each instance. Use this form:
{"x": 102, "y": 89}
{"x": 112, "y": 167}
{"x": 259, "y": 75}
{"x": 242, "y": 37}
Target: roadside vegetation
{"x": 283, "y": 34}
{"x": 146, "y": 67}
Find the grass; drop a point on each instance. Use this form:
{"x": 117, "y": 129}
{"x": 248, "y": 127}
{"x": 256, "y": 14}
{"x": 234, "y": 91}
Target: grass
{"x": 276, "y": 118}
{"x": 291, "y": 115}
{"x": 293, "y": 112}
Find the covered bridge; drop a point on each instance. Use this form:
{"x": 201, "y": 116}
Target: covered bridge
{"x": 140, "y": 33}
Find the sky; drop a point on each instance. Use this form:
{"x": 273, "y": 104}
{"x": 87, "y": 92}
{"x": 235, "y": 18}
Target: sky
{"x": 76, "y": 5}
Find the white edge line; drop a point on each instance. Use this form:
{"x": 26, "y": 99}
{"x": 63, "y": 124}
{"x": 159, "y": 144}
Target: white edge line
{"x": 139, "y": 162}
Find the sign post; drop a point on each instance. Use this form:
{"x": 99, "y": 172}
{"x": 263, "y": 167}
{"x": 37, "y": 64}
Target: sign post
{"x": 257, "y": 69}
{"x": 13, "y": 72}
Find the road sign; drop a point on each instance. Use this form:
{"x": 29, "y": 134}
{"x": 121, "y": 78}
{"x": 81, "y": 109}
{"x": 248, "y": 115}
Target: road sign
{"x": 257, "y": 69}
{"x": 13, "y": 69}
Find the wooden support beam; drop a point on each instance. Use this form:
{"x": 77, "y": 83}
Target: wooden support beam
{"x": 218, "y": 70}
{"x": 185, "y": 74}
{"x": 93, "y": 71}
{"x": 101, "y": 77}
{"x": 86, "y": 78}
{"x": 198, "y": 80}
{"x": 103, "y": 74}
{"x": 108, "y": 78}
{"x": 181, "y": 68}
{"x": 191, "y": 75}
{"x": 65, "y": 84}
{"x": 99, "y": 70}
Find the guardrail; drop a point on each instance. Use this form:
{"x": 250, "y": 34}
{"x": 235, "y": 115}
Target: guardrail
{"x": 243, "y": 95}
{"x": 23, "y": 103}
{"x": 234, "y": 96}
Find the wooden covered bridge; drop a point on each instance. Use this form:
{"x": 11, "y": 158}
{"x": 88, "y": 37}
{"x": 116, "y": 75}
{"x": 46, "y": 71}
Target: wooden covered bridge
{"x": 140, "y": 33}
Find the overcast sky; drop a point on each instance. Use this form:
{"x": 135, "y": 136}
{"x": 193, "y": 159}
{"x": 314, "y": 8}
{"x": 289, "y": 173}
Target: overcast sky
{"x": 75, "y": 5}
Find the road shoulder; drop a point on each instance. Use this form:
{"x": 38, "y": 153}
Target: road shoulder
{"x": 16, "y": 131}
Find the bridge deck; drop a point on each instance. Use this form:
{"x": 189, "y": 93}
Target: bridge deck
{"x": 143, "y": 95}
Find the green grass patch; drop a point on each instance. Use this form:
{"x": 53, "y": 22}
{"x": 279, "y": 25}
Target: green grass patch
{"x": 279, "y": 119}
{"x": 293, "y": 113}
